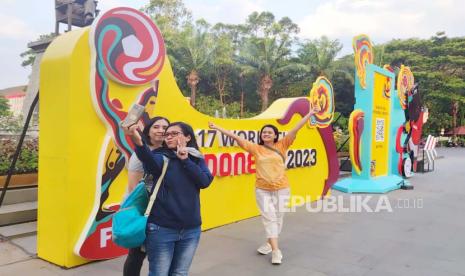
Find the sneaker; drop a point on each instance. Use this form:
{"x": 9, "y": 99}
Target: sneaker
{"x": 265, "y": 249}
{"x": 276, "y": 257}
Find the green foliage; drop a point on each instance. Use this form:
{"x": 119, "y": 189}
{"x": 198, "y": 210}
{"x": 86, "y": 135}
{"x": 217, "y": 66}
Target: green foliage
{"x": 340, "y": 122}
{"x": 438, "y": 65}
{"x": 262, "y": 60}
{"x": 318, "y": 56}
{"x": 4, "y": 107}
{"x": 10, "y": 123}
{"x": 27, "y": 161}
{"x": 194, "y": 48}
{"x": 29, "y": 55}
{"x": 436, "y": 121}
{"x": 266, "y": 50}
{"x": 171, "y": 16}
{"x": 341, "y": 138}
{"x": 210, "y": 106}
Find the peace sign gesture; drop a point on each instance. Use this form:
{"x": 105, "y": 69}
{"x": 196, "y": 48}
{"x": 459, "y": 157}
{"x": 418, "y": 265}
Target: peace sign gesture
{"x": 181, "y": 151}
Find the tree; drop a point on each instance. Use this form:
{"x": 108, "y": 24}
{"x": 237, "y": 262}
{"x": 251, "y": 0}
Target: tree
{"x": 438, "y": 65}
{"x": 29, "y": 55}
{"x": 343, "y": 84}
{"x": 266, "y": 50}
{"x": 171, "y": 16}
{"x": 222, "y": 63}
{"x": 318, "y": 56}
{"x": 194, "y": 49}
{"x": 4, "y": 107}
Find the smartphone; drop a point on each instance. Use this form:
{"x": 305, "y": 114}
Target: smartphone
{"x": 133, "y": 116}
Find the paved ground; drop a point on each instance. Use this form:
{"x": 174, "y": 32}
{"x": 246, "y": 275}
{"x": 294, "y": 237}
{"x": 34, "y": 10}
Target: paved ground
{"x": 407, "y": 241}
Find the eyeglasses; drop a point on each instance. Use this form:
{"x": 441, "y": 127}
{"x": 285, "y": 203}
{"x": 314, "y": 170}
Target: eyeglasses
{"x": 172, "y": 134}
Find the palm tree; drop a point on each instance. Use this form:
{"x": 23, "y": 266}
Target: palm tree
{"x": 193, "y": 52}
{"x": 266, "y": 50}
{"x": 318, "y": 56}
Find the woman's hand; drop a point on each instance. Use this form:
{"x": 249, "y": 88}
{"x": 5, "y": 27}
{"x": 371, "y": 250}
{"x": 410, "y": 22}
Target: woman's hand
{"x": 212, "y": 126}
{"x": 227, "y": 133}
{"x": 314, "y": 110}
{"x": 133, "y": 132}
{"x": 293, "y": 132}
{"x": 181, "y": 151}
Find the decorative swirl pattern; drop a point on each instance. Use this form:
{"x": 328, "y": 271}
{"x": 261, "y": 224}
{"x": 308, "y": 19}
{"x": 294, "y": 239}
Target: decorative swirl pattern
{"x": 129, "y": 48}
{"x": 129, "y": 45}
{"x": 322, "y": 95}
{"x": 389, "y": 68}
{"x": 363, "y": 56}
{"x": 387, "y": 88}
{"x": 356, "y": 126}
{"x": 405, "y": 82}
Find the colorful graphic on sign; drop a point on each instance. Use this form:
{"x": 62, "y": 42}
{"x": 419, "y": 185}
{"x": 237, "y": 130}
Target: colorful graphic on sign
{"x": 405, "y": 82}
{"x": 356, "y": 125}
{"x": 322, "y": 96}
{"x": 363, "y": 54}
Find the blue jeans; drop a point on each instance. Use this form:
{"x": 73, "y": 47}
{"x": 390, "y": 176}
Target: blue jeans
{"x": 170, "y": 251}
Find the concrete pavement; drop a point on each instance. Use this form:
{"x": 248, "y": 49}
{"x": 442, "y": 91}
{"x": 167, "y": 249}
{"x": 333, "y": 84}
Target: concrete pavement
{"x": 427, "y": 238}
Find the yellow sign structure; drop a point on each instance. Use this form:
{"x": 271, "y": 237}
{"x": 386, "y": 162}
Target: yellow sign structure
{"x": 380, "y": 125}
{"x": 89, "y": 80}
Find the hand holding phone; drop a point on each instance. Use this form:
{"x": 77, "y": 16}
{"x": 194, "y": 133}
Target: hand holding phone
{"x": 133, "y": 116}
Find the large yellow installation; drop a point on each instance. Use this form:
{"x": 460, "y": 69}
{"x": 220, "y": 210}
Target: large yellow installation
{"x": 89, "y": 79}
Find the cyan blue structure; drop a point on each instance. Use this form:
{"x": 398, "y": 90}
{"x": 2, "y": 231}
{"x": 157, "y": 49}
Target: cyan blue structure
{"x": 366, "y": 182}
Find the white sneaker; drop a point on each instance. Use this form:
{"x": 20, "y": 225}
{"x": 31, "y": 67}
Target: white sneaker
{"x": 265, "y": 249}
{"x": 276, "y": 257}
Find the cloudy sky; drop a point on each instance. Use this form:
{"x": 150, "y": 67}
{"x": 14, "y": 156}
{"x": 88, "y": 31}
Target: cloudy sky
{"x": 383, "y": 20}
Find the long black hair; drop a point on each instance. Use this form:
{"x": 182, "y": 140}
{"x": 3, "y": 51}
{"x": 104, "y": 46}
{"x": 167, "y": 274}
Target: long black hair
{"x": 275, "y": 130}
{"x": 150, "y": 123}
{"x": 186, "y": 131}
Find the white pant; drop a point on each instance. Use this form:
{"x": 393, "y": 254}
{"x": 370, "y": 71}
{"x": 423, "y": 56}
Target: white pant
{"x": 272, "y": 205}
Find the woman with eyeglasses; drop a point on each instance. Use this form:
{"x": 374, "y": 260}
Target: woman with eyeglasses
{"x": 173, "y": 228}
{"x": 154, "y": 133}
{"x": 271, "y": 186}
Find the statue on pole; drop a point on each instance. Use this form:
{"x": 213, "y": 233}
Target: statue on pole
{"x": 78, "y": 13}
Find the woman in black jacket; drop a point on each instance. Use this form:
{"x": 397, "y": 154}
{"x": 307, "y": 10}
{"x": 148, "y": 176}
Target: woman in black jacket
{"x": 173, "y": 228}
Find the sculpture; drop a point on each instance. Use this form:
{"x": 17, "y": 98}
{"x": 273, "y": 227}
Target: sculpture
{"x": 78, "y": 13}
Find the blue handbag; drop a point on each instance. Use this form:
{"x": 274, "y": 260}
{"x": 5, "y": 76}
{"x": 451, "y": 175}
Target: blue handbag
{"x": 129, "y": 222}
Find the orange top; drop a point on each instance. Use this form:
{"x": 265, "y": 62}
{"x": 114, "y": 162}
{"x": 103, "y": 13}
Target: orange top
{"x": 270, "y": 168}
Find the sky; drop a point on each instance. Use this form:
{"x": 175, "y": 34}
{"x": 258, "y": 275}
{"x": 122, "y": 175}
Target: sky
{"x": 24, "y": 20}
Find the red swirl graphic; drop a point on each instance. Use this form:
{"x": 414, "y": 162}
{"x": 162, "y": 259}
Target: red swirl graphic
{"x": 130, "y": 46}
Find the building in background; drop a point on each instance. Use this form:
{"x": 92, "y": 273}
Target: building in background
{"x": 15, "y": 96}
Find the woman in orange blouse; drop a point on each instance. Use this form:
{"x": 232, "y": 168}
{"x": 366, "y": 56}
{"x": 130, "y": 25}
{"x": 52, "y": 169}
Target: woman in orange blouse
{"x": 272, "y": 186}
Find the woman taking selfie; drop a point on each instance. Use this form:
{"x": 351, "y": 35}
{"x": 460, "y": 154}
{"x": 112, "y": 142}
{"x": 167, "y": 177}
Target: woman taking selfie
{"x": 154, "y": 133}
